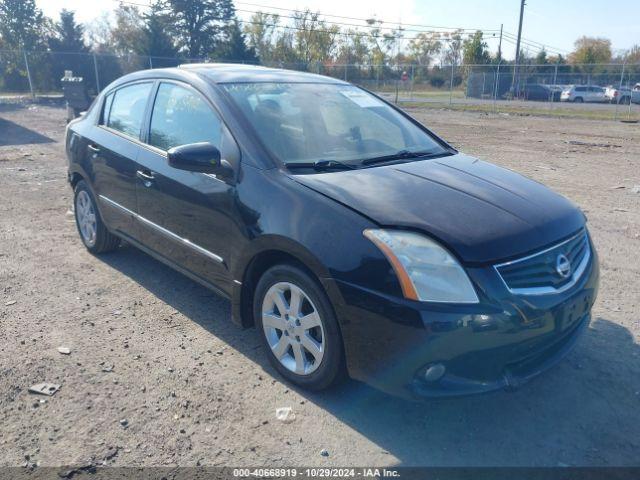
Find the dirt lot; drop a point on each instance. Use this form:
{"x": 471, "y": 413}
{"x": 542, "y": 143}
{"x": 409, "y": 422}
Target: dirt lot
{"x": 191, "y": 388}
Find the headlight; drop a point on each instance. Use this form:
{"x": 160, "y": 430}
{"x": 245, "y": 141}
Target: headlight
{"x": 426, "y": 271}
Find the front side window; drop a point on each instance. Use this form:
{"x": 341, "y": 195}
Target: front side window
{"x": 180, "y": 117}
{"x": 311, "y": 122}
{"x": 125, "y": 112}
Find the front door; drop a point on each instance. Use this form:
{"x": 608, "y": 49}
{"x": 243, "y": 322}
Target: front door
{"x": 185, "y": 216}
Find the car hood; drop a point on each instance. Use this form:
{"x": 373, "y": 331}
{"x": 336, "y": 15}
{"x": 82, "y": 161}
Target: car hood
{"x": 482, "y": 212}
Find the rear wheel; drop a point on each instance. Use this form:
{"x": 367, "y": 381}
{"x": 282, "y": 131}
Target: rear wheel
{"x": 93, "y": 232}
{"x": 578, "y": 100}
{"x": 298, "y": 327}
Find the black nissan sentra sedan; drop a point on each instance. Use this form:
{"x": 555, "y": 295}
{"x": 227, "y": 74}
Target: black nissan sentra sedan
{"x": 353, "y": 238}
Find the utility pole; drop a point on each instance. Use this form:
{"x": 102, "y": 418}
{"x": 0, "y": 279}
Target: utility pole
{"x": 517, "y": 66}
{"x": 500, "y": 43}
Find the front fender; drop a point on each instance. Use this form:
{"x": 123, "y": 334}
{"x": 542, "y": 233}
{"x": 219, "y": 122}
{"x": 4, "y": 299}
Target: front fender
{"x": 319, "y": 232}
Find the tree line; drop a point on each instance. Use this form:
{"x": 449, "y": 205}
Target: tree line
{"x": 171, "y": 31}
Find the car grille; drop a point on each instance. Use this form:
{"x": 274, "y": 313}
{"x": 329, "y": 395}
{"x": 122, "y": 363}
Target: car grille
{"x": 550, "y": 271}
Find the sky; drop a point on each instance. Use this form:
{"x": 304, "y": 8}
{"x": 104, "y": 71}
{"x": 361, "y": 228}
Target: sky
{"x": 556, "y": 24}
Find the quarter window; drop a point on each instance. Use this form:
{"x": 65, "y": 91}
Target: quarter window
{"x": 125, "y": 112}
{"x": 180, "y": 117}
{"x": 107, "y": 108}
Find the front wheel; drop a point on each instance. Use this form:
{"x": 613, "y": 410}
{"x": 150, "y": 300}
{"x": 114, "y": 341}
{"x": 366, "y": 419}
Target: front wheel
{"x": 92, "y": 230}
{"x": 298, "y": 328}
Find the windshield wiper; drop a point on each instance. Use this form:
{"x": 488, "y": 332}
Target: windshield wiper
{"x": 322, "y": 165}
{"x": 402, "y": 155}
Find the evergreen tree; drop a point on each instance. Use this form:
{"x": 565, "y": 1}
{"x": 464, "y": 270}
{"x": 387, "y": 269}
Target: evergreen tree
{"x": 200, "y": 25}
{"x": 66, "y": 43}
{"x": 156, "y": 30}
{"x": 21, "y": 24}
{"x": 541, "y": 57}
{"x": 234, "y": 48}
{"x": 68, "y": 35}
{"x": 21, "y": 28}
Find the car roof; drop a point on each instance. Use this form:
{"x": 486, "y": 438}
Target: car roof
{"x": 241, "y": 73}
{"x": 223, "y": 73}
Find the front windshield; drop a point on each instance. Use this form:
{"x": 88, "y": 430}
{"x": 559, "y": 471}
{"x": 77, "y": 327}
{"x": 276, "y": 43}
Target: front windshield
{"x": 314, "y": 122}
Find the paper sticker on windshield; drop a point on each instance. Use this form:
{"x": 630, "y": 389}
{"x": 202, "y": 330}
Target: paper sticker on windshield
{"x": 360, "y": 98}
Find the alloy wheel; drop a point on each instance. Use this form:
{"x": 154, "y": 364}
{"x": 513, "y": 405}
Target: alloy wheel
{"x": 86, "y": 216}
{"x": 293, "y": 328}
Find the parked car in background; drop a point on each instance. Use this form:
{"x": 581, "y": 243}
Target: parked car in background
{"x": 623, "y": 94}
{"x": 539, "y": 92}
{"x": 583, "y": 93}
{"x": 557, "y": 91}
{"x": 349, "y": 234}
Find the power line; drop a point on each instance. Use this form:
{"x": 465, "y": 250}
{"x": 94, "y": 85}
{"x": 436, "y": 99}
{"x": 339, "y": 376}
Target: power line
{"x": 343, "y": 33}
{"x": 534, "y": 48}
{"x": 491, "y": 31}
{"x": 372, "y": 18}
{"x": 533, "y": 43}
{"x": 491, "y": 34}
{"x": 434, "y": 28}
{"x": 464, "y": 30}
{"x": 398, "y": 27}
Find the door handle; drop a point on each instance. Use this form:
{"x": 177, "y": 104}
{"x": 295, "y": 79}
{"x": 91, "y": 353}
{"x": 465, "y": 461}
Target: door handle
{"x": 93, "y": 148}
{"x": 146, "y": 176}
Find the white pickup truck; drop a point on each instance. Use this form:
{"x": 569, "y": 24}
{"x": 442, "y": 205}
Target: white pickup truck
{"x": 624, "y": 94}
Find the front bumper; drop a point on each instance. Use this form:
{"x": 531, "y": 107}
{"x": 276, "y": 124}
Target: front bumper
{"x": 502, "y": 342}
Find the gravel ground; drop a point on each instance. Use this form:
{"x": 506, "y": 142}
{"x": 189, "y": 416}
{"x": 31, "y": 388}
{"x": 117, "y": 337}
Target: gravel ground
{"x": 158, "y": 375}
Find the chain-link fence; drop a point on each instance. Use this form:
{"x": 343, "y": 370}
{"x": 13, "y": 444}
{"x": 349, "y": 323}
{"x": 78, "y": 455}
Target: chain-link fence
{"x": 40, "y": 73}
{"x": 506, "y": 88}
{"x": 603, "y": 91}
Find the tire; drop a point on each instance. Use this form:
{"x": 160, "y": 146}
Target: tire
{"x": 95, "y": 237}
{"x": 285, "y": 338}
{"x": 578, "y": 100}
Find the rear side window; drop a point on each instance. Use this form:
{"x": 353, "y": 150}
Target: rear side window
{"x": 181, "y": 116}
{"x": 125, "y": 111}
{"x": 581, "y": 89}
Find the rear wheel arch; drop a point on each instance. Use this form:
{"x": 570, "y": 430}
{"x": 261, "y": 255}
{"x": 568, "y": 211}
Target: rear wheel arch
{"x": 74, "y": 178}
{"x": 102, "y": 240}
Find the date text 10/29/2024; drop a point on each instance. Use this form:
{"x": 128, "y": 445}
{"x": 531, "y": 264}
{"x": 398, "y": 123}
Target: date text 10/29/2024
{"x": 315, "y": 473}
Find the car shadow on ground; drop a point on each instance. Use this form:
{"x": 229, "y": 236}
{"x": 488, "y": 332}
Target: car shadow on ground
{"x": 584, "y": 411}
{"x": 13, "y": 134}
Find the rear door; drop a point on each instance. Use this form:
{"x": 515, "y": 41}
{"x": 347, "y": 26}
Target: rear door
{"x": 114, "y": 150}
{"x": 185, "y": 216}
{"x": 596, "y": 94}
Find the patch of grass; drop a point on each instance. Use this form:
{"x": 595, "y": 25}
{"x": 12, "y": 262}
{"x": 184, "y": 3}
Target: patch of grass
{"x": 524, "y": 111}
{"x": 437, "y": 94}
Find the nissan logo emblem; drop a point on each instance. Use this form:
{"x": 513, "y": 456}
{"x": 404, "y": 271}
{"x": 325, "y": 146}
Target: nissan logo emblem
{"x": 563, "y": 266}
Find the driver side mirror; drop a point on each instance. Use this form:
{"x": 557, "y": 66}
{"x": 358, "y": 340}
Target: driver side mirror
{"x": 200, "y": 157}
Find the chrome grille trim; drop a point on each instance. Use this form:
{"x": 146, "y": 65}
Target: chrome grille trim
{"x": 578, "y": 271}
